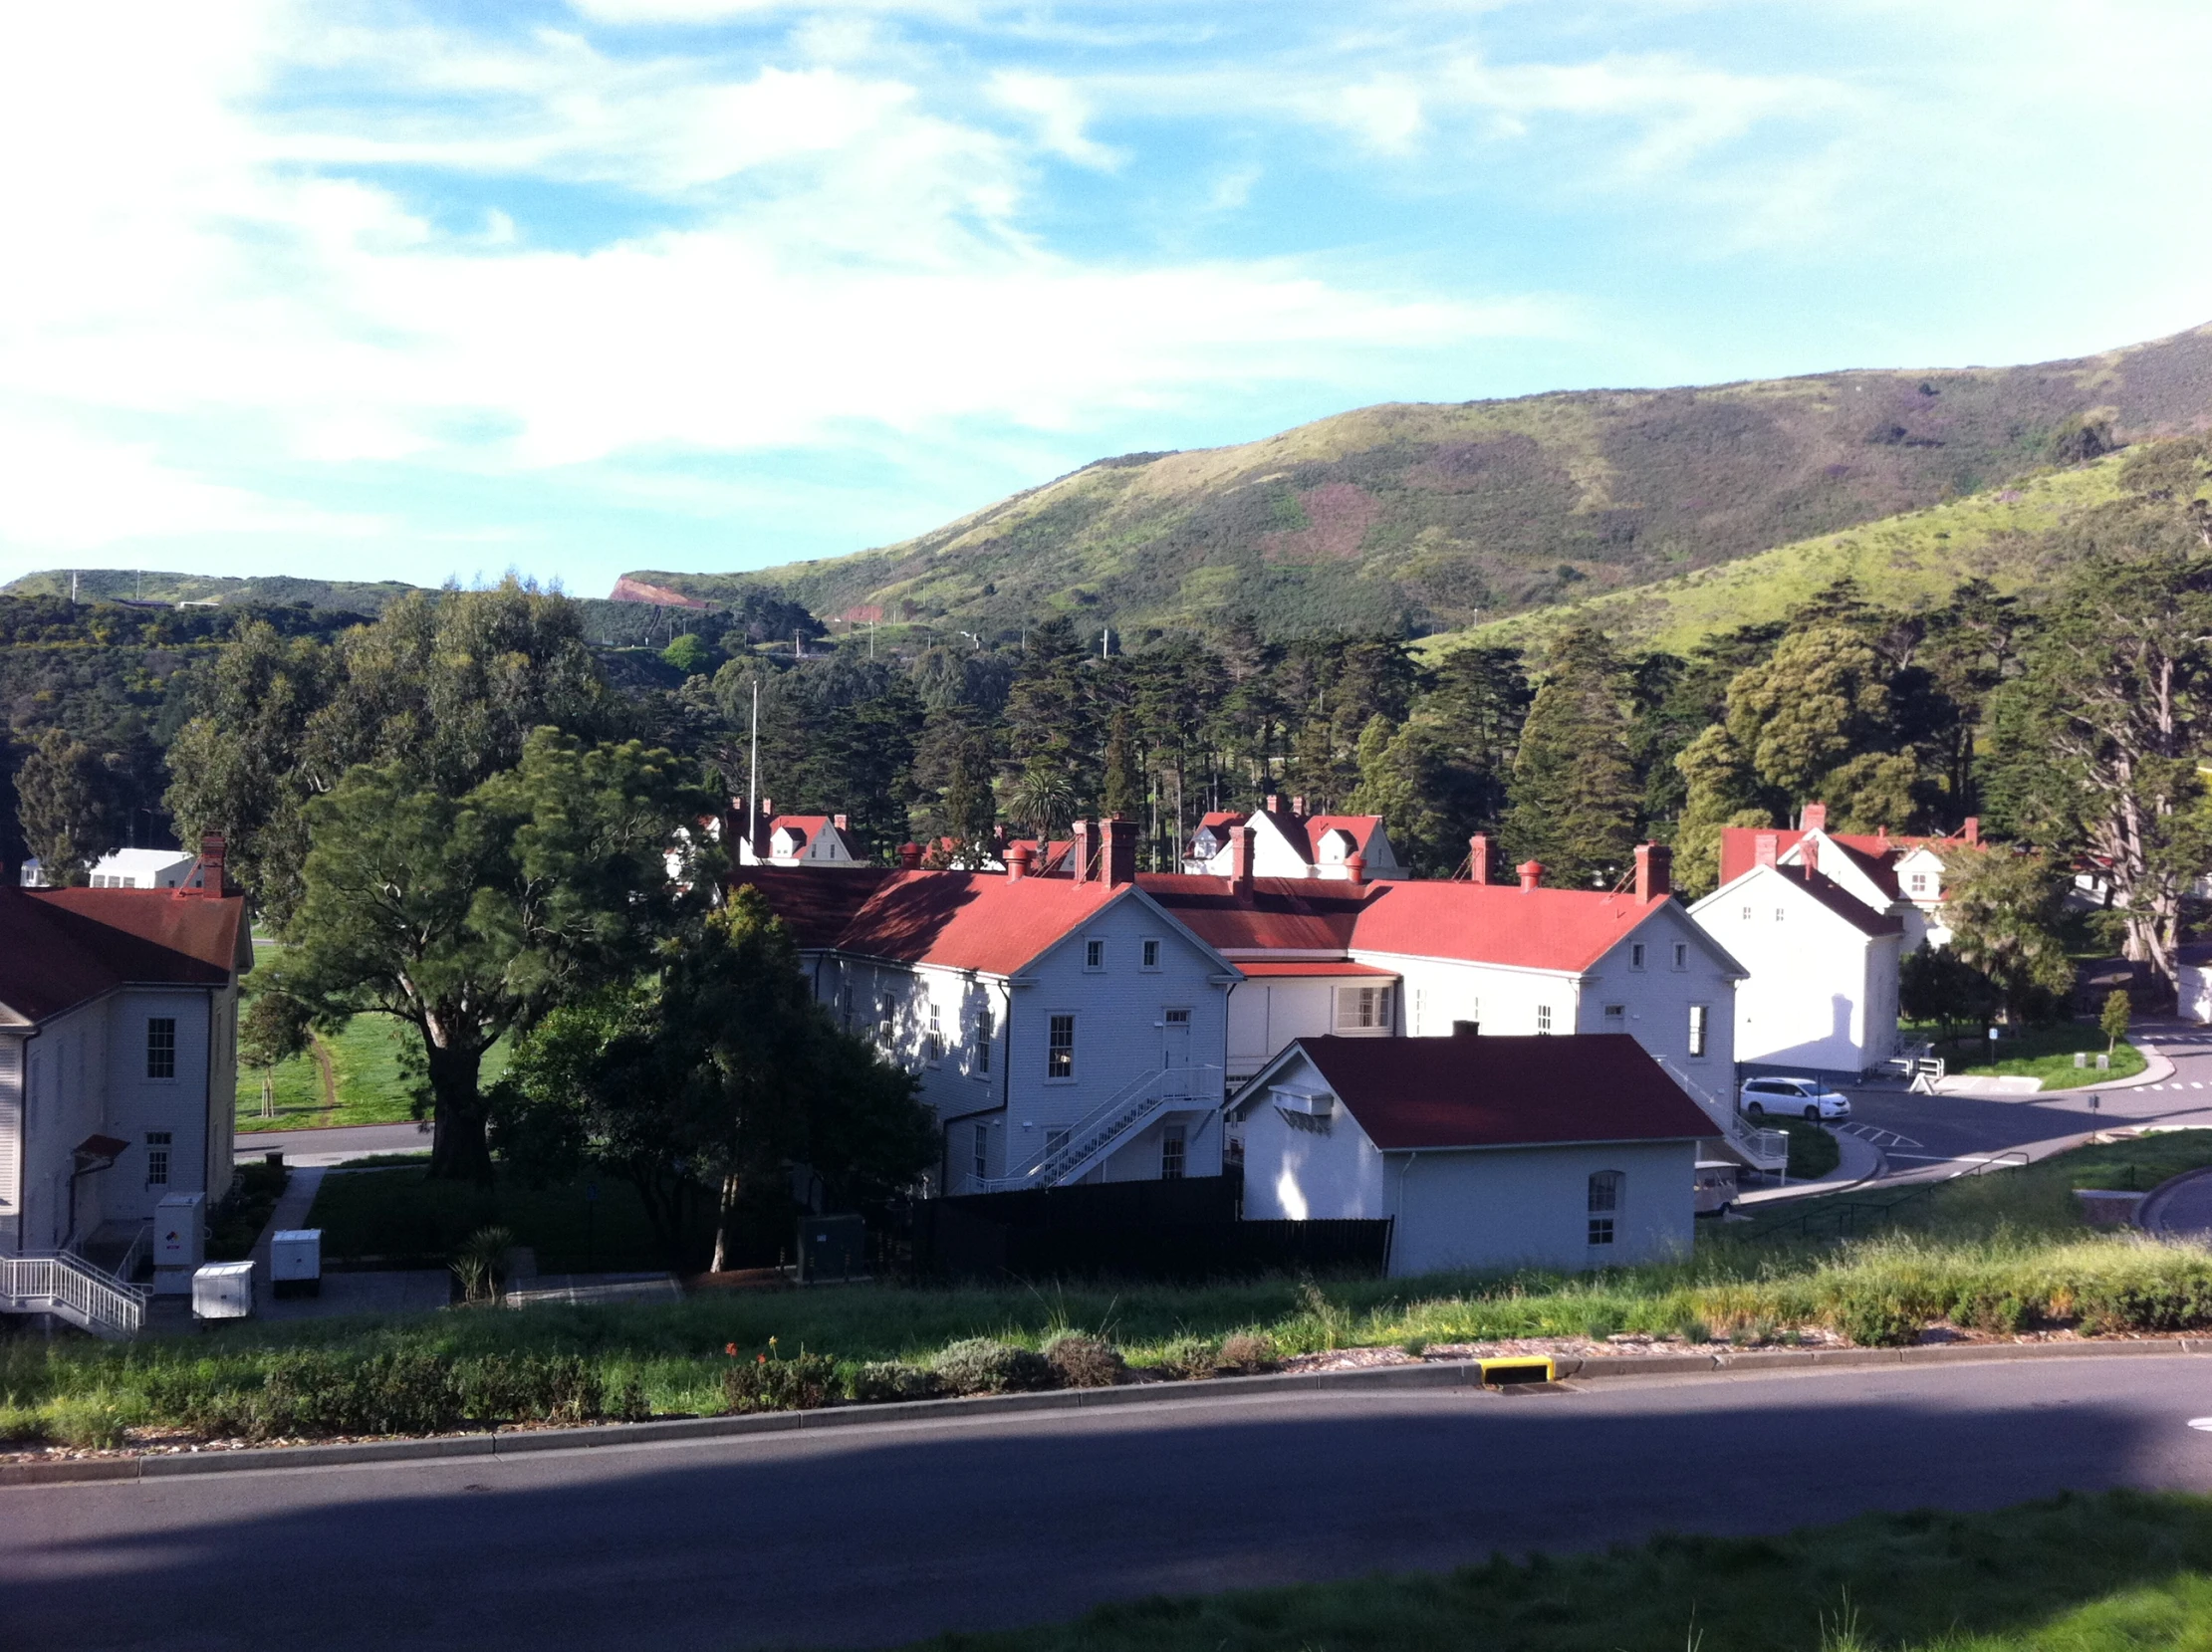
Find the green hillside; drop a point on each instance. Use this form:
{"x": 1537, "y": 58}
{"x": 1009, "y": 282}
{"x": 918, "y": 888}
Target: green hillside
{"x": 1438, "y": 515}
{"x": 1913, "y": 561}
{"x": 103, "y": 585}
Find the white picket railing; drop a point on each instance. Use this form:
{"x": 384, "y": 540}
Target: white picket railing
{"x": 65, "y": 1284}
{"x": 1095, "y": 1135}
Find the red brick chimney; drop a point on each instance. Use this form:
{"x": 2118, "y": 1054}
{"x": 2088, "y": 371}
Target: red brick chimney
{"x": 1768, "y": 845}
{"x": 1654, "y": 872}
{"x": 1273, "y": 802}
{"x": 1298, "y": 807}
{"x": 1809, "y": 853}
{"x": 1240, "y": 860}
{"x": 1531, "y": 874}
{"x": 1355, "y": 868}
{"x": 1081, "y": 853}
{"x": 1478, "y": 858}
{"x": 838, "y": 820}
{"x": 1018, "y": 860}
{"x": 1973, "y": 833}
{"x": 1117, "y": 850}
{"x": 206, "y": 879}
{"x": 909, "y": 858}
{"x": 1815, "y": 817}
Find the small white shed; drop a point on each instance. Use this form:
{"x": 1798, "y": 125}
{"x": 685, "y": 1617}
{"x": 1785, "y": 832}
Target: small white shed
{"x": 1490, "y": 1153}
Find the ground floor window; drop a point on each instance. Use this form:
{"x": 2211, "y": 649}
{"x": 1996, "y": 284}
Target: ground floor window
{"x": 158, "y": 1158}
{"x": 1604, "y": 1205}
{"x": 982, "y": 1151}
{"x": 1171, "y": 1153}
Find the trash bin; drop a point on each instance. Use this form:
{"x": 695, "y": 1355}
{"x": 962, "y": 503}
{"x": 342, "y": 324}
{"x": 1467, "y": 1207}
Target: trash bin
{"x": 295, "y": 1261}
{"x": 223, "y": 1290}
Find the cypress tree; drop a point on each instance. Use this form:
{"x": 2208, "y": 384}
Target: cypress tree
{"x": 1574, "y": 786}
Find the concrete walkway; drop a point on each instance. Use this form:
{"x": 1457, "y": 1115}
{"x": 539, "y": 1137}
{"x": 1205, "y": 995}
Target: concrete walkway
{"x": 1861, "y": 1161}
{"x": 395, "y": 1291}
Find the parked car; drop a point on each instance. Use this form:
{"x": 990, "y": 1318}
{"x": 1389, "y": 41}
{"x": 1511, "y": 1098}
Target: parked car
{"x": 1804, "y": 1097}
{"x": 1716, "y": 1186}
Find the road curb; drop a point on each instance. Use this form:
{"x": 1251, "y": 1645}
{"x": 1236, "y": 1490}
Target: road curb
{"x": 2147, "y": 1213}
{"x": 2157, "y": 1068}
{"x": 1461, "y": 1373}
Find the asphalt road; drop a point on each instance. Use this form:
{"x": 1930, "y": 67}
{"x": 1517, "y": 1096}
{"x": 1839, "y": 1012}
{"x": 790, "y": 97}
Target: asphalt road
{"x": 334, "y": 1145}
{"x": 1940, "y": 1134}
{"x": 886, "y": 1534}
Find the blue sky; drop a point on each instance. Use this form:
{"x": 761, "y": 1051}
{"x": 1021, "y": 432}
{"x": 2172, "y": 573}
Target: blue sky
{"x": 406, "y": 292}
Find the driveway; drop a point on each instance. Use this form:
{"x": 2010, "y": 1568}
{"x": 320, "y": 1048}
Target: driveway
{"x": 329, "y": 1147}
{"x": 884, "y": 1534}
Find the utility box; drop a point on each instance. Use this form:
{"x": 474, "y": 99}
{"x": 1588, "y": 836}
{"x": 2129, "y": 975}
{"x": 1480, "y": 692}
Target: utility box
{"x": 179, "y": 1241}
{"x": 223, "y": 1290}
{"x": 295, "y": 1261}
{"x": 831, "y": 1247}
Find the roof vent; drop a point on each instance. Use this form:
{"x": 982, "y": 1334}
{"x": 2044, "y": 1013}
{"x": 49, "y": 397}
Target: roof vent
{"x": 1531, "y": 874}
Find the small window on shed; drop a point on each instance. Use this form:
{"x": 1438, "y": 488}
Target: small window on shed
{"x": 1604, "y": 1205}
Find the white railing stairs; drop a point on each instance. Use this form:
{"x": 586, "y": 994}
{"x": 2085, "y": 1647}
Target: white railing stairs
{"x": 1105, "y": 1127}
{"x": 1766, "y": 1150}
{"x": 64, "y": 1285}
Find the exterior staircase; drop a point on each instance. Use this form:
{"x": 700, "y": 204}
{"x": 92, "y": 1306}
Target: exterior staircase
{"x": 1764, "y": 1150}
{"x": 63, "y": 1283}
{"x": 1093, "y": 1139}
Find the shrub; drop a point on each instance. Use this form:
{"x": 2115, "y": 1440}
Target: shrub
{"x": 1188, "y": 1358}
{"x": 984, "y": 1365}
{"x": 1085, "y": 1361}
{"x": 481, "y": 1263}
{"x": 2003, "y": 1315}
{"x": 1251, "y": 1352}
{"x": 800, "y": 1384}
{"x": 2143, "y": 1304}
{"x": 1874, "y": 1321}
{"x": 531, "y": 1388}
{"x": 21, "y": 1424}
{"x": 632, "y": 1405}
{"x": 97, "y": 1421}
{"x": 890, "y": 1379}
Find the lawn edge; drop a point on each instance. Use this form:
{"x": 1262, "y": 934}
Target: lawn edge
{"x": 1460, "y": 1373}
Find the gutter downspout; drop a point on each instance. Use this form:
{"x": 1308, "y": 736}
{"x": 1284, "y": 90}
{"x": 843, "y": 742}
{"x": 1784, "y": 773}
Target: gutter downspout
{"x": 1390, "y": 1247}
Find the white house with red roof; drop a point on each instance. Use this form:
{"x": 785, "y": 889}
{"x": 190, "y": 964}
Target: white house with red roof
{"x": 1486, "y": 1154}
{"x": 1898, "y": 877}
{"x": 1063, "y": 1028}
{"x": 1289, "y": 842}
{"x": 792, "y": 839}
{"x": 1823, "y": 960}
{"x": 119, "y": 1021}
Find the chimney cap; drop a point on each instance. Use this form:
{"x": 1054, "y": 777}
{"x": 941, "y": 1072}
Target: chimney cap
{"x": 1532, "y": 873}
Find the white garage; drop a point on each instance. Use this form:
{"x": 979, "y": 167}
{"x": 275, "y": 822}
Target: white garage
{"x": 1489, "y": 1154}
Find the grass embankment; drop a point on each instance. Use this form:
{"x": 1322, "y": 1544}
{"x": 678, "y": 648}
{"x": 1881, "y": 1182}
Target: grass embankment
{"x": 1995, "y": 1254}
{"x": 1813, "y": 1149}
{"x": 2045, "y": 1052}
{"x": 357, "y": 1075}
{"x": 2123, "y": 1571}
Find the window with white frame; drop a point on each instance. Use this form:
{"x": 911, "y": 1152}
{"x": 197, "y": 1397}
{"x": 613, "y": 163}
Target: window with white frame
{"x": 887, "y": 1029}
{"x": 1919, "y": 883}
{"x": 982, "y": 1060}
{"x": 1778, "y": 914}
{"x": 933, "y": 1042}
{"x": 1362, "y": 1009}
{"x": 158, "y": 1158}
{"x": 1604, "y": 1205}
{"x": 1060, "y": 1048}
{"x": 1616, "y": 1017}
{"x": 1094, "y": 954}
{"x": 1543, "y": 1018}
{"x": 1700, "y": 1017}
{"x": 982, "y": 1160}
{"x": 1172, "y": 1149}
{"x": 1150, "y": 952}
{"x": 1635, "y": 955}
{"x": 161, "y": 1046}
{"x": 1747, "y": 914}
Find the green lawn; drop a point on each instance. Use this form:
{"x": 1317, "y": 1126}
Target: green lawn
{"x": 401, "y": 1216}
{"x": 2123, "y": 1571}
{"x": 2045, "y": 1052}
{"x": 367, "y": 1078}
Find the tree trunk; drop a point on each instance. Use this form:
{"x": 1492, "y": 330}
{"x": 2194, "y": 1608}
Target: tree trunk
{"x": 458, "y": 1150}
{"x": 722, "y": 1224}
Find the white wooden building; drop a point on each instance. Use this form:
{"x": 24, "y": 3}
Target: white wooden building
{"x": 1289, "y": 842}
{"x": 1485, "y": 1154}
{"x": 119, "y": 1016}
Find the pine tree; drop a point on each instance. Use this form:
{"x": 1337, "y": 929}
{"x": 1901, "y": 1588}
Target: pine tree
{"x": 64, "y": 802}
{"x": 1124, "y": 789}
{"x": 1574, "y": 787}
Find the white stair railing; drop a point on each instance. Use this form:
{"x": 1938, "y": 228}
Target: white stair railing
{"x": 1762, "y": 1149}
{"x": 1107, "y": 1126}
{"x": 65, "y": 1284}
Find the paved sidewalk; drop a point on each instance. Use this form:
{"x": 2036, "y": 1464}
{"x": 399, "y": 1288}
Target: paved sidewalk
{"x": 333, "y": 1146}
{"x": 1861, "y": 1161}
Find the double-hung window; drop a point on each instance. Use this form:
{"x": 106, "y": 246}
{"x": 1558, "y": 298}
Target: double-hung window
{"x": 982, "y": 1162}
{"x": 1362, "y": 1009}
{"x": 1543, "y": 1018}
{"x": 1149, "y": 953}
{"x": 1060, "y": 1048}
{"x": 1635, "y": 955}
{"x": 1700, "y": 1018}
{"x": 158, "y": 1158}
{"x": 1604, "y": 1205}
{"x": 1681, "y": 955}
{"x": 983, "y": 1034}
{"x": 933, "y": 1042}
{"x": 1094, "y": 954}
{"x": 161, "y": 1046}
{"x": 1172, "y": 1145}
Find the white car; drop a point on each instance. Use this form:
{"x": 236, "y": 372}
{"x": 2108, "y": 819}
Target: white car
{"x": 1798, "y": 1097}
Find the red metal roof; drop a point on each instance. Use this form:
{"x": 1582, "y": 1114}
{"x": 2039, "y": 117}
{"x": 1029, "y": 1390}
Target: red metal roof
{"x": 1275, "y": 914}
{"x": 1497, "y": 923}
{"x": 62, "y": 947}
{"x": 1842, "y": 902}
{"x": 1505, "y": 1091}
{"x": 961, "y": 920}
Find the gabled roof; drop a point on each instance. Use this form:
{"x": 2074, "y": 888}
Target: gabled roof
{"x": 1412, "y": 1093}
{"x": 1304, "y": 832}
{"x": 1498, "y": 923}
{"x": 959, "y": 920}
{"x": 1275, "y": 914}
{"x": 63, "y": 947}
{"x": 805, "y": 825}
{"x": 1823, "y": 889}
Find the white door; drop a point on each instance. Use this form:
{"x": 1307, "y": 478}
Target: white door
{"x": 1175, "y": 1049}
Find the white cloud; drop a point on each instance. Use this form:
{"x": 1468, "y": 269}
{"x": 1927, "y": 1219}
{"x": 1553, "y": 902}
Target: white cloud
{"x": 1060, "y": 111}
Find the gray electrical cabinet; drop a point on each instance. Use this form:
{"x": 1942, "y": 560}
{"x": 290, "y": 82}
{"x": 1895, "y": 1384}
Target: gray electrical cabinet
{"x": 831, "y": 1247}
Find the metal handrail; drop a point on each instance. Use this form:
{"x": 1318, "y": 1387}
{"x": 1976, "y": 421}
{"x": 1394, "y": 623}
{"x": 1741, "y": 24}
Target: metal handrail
{"x": 1845, "y": 1213}
{"x": 1116, "y": 1117}
{"x": 1762, "y": 1146}
{"x": 60, "y": 1281}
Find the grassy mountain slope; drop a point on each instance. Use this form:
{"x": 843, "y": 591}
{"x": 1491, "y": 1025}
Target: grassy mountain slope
{"x": 1909, "y": 561}
{"x": 123, "y": 586}
{"x": 1436, "y": 514}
